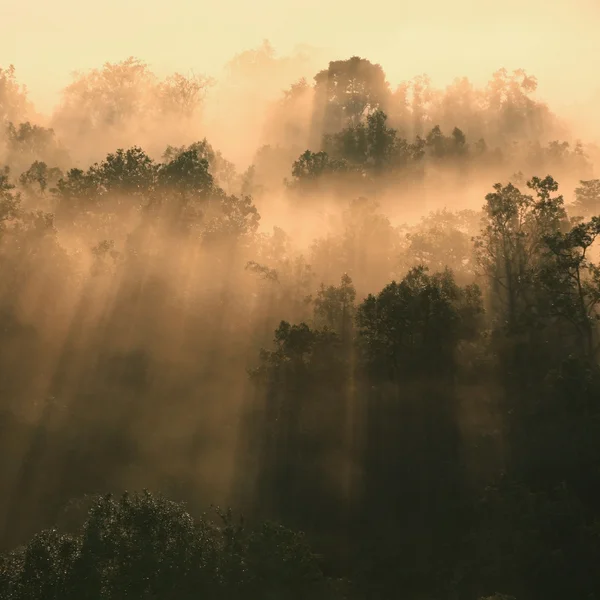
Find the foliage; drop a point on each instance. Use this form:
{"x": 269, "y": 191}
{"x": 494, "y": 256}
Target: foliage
{"x": 13, "y": 97}
{"x": 349, "y": 89}
{"x": 311, "y": 166}
{"x": 417, "y": 323}
{"x": 39, "y": 173}
{"x": 144, "y": 546}
{"x": 9, "y": 199}
{"x": 511, "y": 248}
{"x": 587, "y": 197}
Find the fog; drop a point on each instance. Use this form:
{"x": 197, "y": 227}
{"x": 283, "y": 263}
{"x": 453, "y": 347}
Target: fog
{"x": 157, "y": 226}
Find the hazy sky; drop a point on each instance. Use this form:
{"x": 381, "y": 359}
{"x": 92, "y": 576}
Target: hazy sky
{"x": 556, "y": 40}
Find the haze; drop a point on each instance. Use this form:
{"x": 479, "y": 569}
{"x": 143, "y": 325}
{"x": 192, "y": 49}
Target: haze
{"x": 557, "y": 40}
{"x": 333, "y": 265}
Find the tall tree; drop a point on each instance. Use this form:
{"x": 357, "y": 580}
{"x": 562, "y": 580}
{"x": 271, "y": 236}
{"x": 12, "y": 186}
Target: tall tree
{"x": 511, "y": 248}
{"x": 348, "y": 90}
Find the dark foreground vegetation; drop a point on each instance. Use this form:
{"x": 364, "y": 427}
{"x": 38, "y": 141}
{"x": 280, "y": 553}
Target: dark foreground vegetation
{"x": 140, "y": 546}
{"x": 419, "y": 396}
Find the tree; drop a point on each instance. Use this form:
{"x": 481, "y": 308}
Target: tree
{"x": 380, "y": 138}
{"x": 313, "y": 166}
{"x": 368, "y": 143}
{"x": 235, "y": 218}
{"x": 573, "y": 281}
{"x": 14, "y": 104}
{"x": 442, "y": 239}
{"x": 350, "y": 144}
{"x": 511, "y": 248}
{"x": 334, "y": 307}
{"x": 183, "y": 96}
{"x": 77, "y": 188}
{"x": 27, "y": 143}
{"x": 107, "y": 97}
{"x": 298, "y": 380}
{"x": 349, "y": 90}
{"x": 125, "y": 179}
{"x": 39, "y": 173}
{"x": 413, "y": 327}
{"x": 187, "y": 174}
{"x": 441, "y": 146}
{"x": 516, "y": 114}
{"x": 124, "y": 173}
{"x": 28, "y": 138}
{"x": 423, "y": 97}
{"x": 9, "y": 199}
{"x": 587, "y": 198}
{"x": 141, "y": 545}
{"x": 298, "y": 348}
{"x": 289, "y": 122}
{"x": 220, "y": 168}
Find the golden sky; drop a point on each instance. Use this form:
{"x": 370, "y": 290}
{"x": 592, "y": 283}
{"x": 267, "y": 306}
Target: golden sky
{"x": 556, "y": 40}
